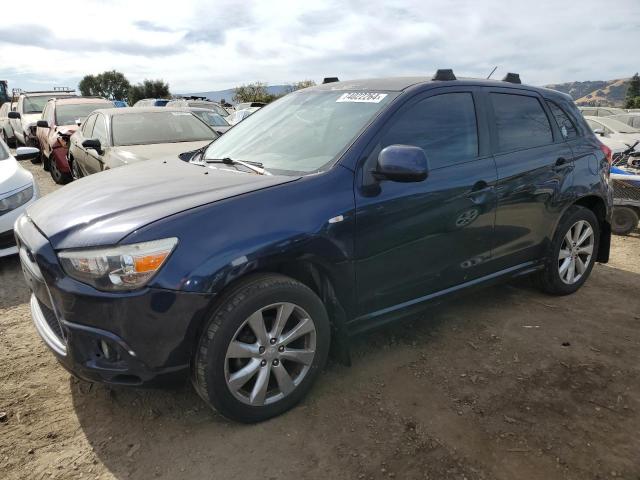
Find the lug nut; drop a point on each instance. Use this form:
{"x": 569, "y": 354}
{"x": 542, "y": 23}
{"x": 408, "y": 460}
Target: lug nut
{"x": 281, "y": 348}
{"x": 263, "y": 363}
{"x": 276, "y": 362}
{"x": 272, "y": 341}
{"x": 261, "y": 349}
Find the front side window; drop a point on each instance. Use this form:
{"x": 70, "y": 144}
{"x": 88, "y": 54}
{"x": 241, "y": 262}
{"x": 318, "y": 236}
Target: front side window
{"x": 100, "y": 130}
{"x": 566, "y": 126}
{"x": 158, "y": 127}
{"x": 87, "y": 128}
{"x": 520, "y": 122}
{"x": 444, "y": 126}
{"x": 303, "y": 132}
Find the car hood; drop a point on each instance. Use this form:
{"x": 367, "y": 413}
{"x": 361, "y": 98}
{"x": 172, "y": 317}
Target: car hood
{"x": 103, "y": 208}
{"x": 158, "y": 151}
{"x": 12, "y": 176}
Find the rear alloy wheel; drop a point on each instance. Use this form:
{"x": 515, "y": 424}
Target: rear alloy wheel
{"x": 624, "y": 220}
{"x": 263, "y": 348}
{"x": 572, "y": 254}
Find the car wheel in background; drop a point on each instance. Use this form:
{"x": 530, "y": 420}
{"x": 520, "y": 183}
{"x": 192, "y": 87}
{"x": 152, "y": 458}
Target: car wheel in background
{"x": 75, "y": 170}
{"x": 624, "y": 220}
{"x": 61, "y": 178}
{"x": 262, "y": 349}
{"x": 45, "y": 161}
{"x": 572, "y": 252}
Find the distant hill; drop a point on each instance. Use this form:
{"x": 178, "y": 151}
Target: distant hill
{"x": 596, "y": 93}
{"x": 227, "y": 94}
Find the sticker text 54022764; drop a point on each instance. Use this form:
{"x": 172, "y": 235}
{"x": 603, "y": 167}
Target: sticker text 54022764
{"x": 361, "y": 97}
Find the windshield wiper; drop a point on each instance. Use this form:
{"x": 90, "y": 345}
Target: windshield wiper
{"x": 254, "y": 166}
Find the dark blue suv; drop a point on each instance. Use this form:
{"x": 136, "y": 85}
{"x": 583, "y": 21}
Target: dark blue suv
{"x": 328, "y": 212}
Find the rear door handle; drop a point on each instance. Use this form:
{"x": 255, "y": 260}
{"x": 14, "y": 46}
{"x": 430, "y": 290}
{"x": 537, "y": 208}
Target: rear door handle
{"x": 561, "y": 164}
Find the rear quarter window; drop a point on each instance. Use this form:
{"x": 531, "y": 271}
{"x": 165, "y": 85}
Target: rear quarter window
{"x": 566, "y": 126}
{"x": 520, "y": 122}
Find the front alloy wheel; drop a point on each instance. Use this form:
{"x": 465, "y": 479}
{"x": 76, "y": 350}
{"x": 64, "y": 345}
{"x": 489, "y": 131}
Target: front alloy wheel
{"x": 270, "y": 354}
{"x": 262, "y": 349}
{"x": 576, "y": 252}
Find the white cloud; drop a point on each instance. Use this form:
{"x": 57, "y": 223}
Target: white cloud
{"x": 203, "y": 45}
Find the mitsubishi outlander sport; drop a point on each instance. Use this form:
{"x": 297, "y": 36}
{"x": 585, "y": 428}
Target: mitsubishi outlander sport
{"x": 331, "y": 211}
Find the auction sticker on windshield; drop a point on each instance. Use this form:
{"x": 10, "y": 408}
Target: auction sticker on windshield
{"x": 361, "y": 97}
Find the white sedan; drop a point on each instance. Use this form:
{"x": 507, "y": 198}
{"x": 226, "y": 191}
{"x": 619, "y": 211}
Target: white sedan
{"x": 17, "y": 191}
{"x": 613, "y": 133}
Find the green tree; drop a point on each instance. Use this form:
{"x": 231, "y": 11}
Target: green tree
{"x": 111, "y": 84}
{"x": 252, "y": 92}
{"x": 148, "y": 89}
{"x": 633, "y": 92}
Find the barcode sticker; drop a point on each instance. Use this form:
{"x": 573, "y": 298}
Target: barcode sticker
{"x": 361, "y": 97}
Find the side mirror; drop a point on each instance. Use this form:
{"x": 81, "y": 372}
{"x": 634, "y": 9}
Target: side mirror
{"x": 42, "y": 124}
{"x": 599, "y": 131}
{"x": 27, "y": 153}
{"x": 14, "y": 115}
{"x": 402, "y": 163}
{"x": 93, "y": 144}
{"x": 78, "y": 122}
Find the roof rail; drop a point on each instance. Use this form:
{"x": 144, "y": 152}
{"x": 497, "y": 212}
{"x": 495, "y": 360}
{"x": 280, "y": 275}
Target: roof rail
{"x": 443, "y": 74}
{"x": 330, "y": 80}
{"x": 512, "y": 78}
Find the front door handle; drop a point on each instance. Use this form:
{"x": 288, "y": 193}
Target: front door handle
{"x": 479, "y": 192}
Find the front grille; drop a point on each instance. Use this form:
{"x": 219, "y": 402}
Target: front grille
{"x": 52, "y": 320}
{"x": 7, "y": 239}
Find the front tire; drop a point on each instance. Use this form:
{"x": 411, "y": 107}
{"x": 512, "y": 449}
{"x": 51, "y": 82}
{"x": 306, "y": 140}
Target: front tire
{"x": 572, "y": 252}
{"x": 624, "y": 220}
{"x": 61, "y": 178}
{"x": 263, "y": 348}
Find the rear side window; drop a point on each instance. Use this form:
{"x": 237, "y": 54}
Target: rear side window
{"x": 520, "y": 122}
{"x": 444, "y": 126}
{"x": 566, "y": 126}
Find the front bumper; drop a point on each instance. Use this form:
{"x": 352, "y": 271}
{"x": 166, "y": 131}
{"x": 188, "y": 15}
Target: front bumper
{"x": 130, "y": 338}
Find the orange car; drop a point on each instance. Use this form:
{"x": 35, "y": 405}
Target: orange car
{"x": 60, "y": 119}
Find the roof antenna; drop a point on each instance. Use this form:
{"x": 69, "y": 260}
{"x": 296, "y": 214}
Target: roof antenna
{"x": 492, "y": 72}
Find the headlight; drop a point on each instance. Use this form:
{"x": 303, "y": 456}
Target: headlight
{"x": 124, "y": 267}
{"x": 14, "y": 201}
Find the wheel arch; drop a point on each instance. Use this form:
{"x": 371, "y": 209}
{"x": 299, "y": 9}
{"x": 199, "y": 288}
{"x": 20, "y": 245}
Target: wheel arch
{"x": 598, "y": 206}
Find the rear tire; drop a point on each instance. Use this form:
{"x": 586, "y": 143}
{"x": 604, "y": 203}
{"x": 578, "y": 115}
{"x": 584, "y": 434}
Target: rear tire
{"x": 624, "y": 220}
{"x": 572, "y": 252}
{"x": 61, "y": 178}
{"x": 250, "y": 366}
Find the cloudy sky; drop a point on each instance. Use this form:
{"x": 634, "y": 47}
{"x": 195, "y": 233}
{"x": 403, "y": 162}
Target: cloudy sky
{"x": 216, "y": 44}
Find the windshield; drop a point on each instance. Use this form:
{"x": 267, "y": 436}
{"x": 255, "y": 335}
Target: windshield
{"x": 302, "y": 132}
{"x": 160, "y": 127}
{"x": 211, "y": 118}
{"x": 617, "y": 125}
{"x": 35, "y": 104}
{"x": 68, "y": 114}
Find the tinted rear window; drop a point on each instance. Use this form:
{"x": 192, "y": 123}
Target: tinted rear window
{"x": 160, "y": 127}
{"x": 520, "y": 122}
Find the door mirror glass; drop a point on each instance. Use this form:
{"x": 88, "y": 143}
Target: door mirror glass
{"x": 42, "y": 124}
{"x": 14, "y": 115}
{"x": 27, "y": 153}
{"x": 93, "y": 144}
{"x": 402, "y": 163}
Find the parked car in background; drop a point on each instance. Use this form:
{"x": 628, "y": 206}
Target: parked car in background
{"x": 6, "y": 130}
{"x": 610, "y": 128}
{"x": 120, "y": 104}
{"x": 632, "y": 119}
{"x": 211, "y": 118}
{"x": 600, "y": 111}
{"x": 199, "y": 102}
{"x": 335, "y": 210}
{"x": 115, "y": 137}
{"x": 28, "y": 110}
{"x": 242, "y": 106}
{"x": 239, "y": 115}
{"x": 151, "y": 102}
{"x": 17, "y": 191}
{"x": 60, "y": 119}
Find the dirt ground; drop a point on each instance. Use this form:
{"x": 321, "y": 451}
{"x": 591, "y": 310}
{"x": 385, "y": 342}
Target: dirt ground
{"x": 504, "y": 383}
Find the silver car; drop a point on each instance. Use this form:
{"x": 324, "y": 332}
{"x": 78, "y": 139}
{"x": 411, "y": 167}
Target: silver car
{"x": 600, "y": 111}
{"x": 199, "y": 102}
{"x": 114, "y": 137}
{"x": 632, "y": 119}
